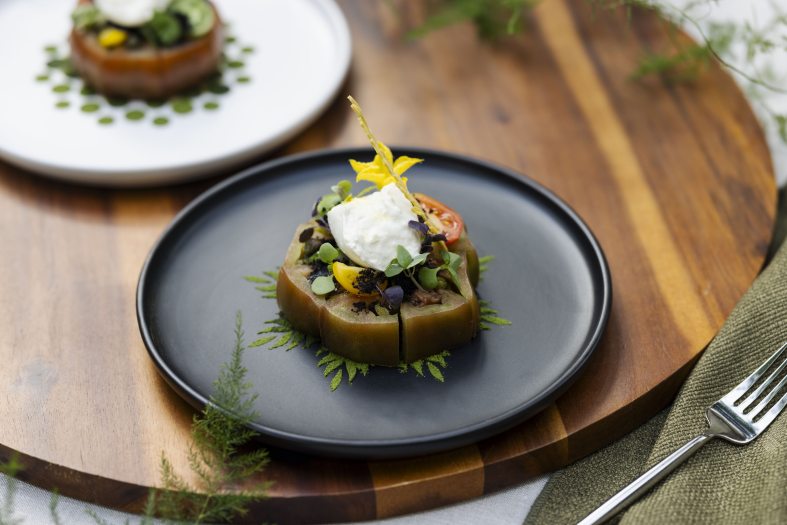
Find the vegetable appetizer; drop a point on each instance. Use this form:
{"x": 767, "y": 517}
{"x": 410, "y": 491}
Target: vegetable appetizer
{"x": 383, "y": 276}
{"x": 148, "y": 49}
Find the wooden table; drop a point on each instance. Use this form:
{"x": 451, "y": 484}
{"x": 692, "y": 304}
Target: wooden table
{"x": 676, "y": 182}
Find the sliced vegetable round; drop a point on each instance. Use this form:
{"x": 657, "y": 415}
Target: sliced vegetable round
{"x": 451, "y": 222}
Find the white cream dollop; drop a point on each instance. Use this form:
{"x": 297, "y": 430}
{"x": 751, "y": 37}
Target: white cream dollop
{"x": 130, "y": 13}
{"x": 369, "y": 229}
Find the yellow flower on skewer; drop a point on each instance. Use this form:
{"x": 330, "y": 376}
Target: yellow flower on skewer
{"x": 377, "y": 173}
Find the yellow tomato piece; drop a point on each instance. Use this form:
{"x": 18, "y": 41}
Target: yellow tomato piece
{"x": 347, "y": 276}
{"x": 112, "y": 37}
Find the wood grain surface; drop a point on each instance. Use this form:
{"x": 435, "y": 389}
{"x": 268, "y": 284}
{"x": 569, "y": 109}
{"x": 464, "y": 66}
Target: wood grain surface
{"x": 675, "y": 181}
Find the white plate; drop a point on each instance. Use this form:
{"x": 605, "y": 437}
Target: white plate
{"x": 301, "y": 55}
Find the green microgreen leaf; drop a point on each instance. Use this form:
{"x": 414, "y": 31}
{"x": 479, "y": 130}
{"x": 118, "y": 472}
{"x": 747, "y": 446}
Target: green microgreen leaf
{"x": 393, "y": 269}
{"x": 343, "y": 189}
{"x": 454, "y": 277}
{"x": 327, "y": 253}
{"x": 323, "y": 284}
{"x": 166, "y": 27}
{"x": 454, "y": 260}
{"x": 86, "y": 16}
{"x": 327, "y": 202}
{"x": 428, "y": 277}
{"x": 418, "y": 259}
{"x": 403, "y": 257}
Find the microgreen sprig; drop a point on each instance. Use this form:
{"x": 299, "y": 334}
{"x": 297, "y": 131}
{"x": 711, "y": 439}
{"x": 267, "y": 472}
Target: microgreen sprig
{"x": 327, "y": 254}
{"x": 340, "y": 192}
{"x": 428, "y": 276}
{"x": 406, "y": 263}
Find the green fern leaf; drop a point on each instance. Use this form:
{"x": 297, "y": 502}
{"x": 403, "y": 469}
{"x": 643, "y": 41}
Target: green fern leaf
{"x": 283, "y": 340}
{"x": 436, "y": 373}
{"x": 327, "y": 358}
{"x": 336, "y": 381}
{"x": 418, "y": 366}
{"x": 495, "y": 320}
{"x": 262, "y": 341}
{"x": 437, "y": 358}
{"x": 352, "y": 370}
{"x": 333, "y": 365}
{"x": 256, "y": 279}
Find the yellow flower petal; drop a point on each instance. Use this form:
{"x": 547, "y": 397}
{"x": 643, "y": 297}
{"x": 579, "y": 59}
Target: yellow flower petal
{"x": 403, "y": 164}
{"x": 360, "y": 166}
{"x": 376, "y": 172}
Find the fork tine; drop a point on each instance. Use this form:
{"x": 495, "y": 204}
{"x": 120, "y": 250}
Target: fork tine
{"x": 746, "y": 384}
{"x": 764, "y": 403}
{"x": 763, "y": 387}
{"x": 771, "y": 414}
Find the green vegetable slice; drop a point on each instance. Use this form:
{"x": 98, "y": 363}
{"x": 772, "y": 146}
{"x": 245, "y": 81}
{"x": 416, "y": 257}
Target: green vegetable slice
{"x": 198, "y": 13}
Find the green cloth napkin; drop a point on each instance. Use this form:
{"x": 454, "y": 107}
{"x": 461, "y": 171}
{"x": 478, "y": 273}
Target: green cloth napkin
{"x": 721, "y": 483}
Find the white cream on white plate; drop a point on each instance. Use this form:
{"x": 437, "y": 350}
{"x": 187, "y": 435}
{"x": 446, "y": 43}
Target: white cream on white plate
{"x": 369, "y": 229}
{"x": 130, "y": 13}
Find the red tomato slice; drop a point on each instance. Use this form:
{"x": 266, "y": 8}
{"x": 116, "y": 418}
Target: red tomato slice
{"x": 451, "y": 222}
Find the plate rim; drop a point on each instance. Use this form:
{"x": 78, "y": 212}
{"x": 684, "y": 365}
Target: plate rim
{"x": 395, "y": 447}
{"x": 118, "y": 177}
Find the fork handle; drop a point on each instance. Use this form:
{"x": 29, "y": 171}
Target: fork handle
{"x": 645, "y": 482}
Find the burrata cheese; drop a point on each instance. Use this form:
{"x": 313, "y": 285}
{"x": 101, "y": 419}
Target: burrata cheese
{"x": 369, "y": 229}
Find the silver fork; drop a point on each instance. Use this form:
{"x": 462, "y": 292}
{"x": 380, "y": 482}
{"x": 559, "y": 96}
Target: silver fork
{"x": 733, "y": 417}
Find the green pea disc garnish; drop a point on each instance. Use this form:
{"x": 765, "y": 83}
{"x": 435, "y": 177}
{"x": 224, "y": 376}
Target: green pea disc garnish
{"x": 135, "y": 115}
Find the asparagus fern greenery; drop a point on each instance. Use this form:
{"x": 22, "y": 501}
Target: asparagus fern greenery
{"x": 220, "y": 457}
{"x": 729, "y": 44}
{"x": 218, "y": 454}
{"x": 280, "y": 334}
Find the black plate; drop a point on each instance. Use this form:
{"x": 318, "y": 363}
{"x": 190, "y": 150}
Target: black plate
{"x": 549, "y": 278}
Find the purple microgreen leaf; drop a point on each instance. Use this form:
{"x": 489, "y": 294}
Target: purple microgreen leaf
{"x": 420, "y": 227}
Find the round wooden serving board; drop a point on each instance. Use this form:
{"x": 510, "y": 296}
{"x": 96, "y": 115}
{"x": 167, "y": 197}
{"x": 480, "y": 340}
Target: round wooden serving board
{"x": 675, "y": 181}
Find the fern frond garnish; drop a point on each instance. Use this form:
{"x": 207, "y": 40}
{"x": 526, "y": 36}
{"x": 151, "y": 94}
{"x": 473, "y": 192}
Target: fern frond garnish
{"x": 490, "y": 317}
{"x": 217, "y": 453}
{"x": 279, "y": 333}
{"x": 266, "y": 283}
{"x": 483, "y": 265}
